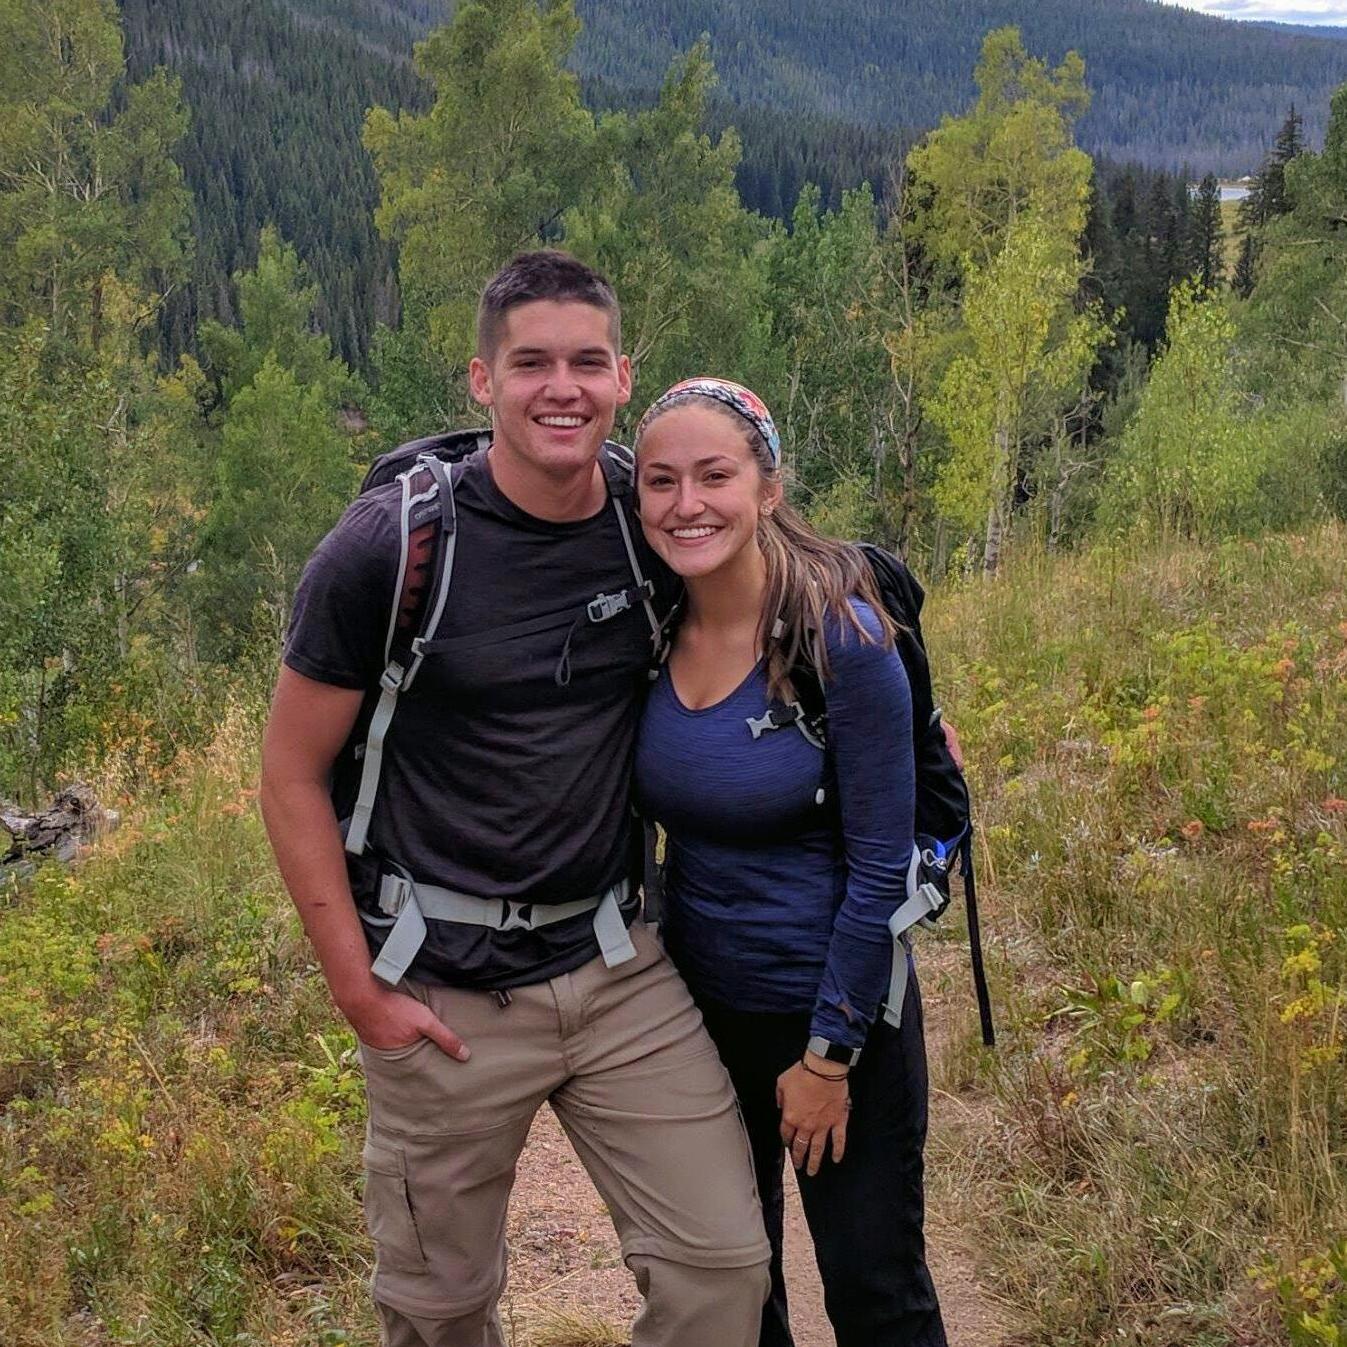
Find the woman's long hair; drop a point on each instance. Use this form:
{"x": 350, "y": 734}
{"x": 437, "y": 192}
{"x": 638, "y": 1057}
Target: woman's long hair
{"x": 810, "y": 578}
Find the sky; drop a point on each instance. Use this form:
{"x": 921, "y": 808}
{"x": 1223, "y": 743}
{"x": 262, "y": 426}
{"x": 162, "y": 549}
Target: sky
{"x": 1282, "y": 11}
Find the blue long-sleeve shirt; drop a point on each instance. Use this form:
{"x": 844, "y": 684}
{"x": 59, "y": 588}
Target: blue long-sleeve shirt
{"x": 784, "y": 863}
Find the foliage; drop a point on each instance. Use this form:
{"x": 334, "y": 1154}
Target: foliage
{"x": 839, "y": 302}
{"x": 1002, "y": 191}
{"x": 664, "y": 223}
{"x": 182, "y": 1120}
{"x": 1198, "y": 460}
{"x": 276, "y": 305}
{"x": 282, "y": 476}
{"x": 1155, "y": 738}
{"x": 276, "y": 132}
{"x": 1029, "y": 352}
{"x": 491, "y": 167}
{"x": 1011, "y": 153}
{"x": 1206, "y": 237}
{"x": 280, "y": 470}
{"x": 1173, "y": 87}
{"x": 86, "y": 188}
{"x": 278, "y": 102}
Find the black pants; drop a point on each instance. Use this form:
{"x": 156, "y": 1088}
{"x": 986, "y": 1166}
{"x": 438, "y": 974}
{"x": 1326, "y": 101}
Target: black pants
{"x": 865, "y": 1214}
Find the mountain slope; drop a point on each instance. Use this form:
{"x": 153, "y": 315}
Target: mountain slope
{"x": 1170, "y": 86}
{"x": 278, "y": 93}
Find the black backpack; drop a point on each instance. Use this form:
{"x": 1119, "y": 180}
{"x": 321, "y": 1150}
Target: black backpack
{"x": 943, "y": 839}
{"x": 944, "y": 813}
{"x": 429, "y": 536}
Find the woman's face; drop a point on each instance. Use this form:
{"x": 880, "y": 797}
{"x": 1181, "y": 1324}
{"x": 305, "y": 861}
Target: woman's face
{"x": 700, "y": 489}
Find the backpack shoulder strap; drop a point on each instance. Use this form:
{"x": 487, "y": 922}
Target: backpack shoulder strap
{"x": 426, "y": 487}
{"x": 619, "y": 473}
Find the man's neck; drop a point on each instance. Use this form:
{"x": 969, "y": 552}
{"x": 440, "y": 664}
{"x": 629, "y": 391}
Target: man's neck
{"x": 558, "y": 499}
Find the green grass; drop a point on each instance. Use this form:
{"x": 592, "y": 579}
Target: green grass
{"x": 1155, "y": 744}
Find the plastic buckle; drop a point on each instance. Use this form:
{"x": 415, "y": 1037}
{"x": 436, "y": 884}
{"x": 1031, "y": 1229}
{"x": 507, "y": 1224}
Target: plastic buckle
{"x": 604, "y": 606}
{"x": 391, "y": 678}
{"x": 518, "y": 916}
{"x": 394, "y": 898}
{"x": 772, "y": 719}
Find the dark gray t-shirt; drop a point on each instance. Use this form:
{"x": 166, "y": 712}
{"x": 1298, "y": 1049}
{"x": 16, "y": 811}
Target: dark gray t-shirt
{"x": 498, "y": 780}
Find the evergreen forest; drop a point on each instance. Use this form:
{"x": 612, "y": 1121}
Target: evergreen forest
{"x": 1102, "y": 413}
{"x": 279, "y": 90}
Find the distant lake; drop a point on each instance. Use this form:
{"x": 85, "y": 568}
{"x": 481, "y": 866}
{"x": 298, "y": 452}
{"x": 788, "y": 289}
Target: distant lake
{"x": 1233, "y": 193}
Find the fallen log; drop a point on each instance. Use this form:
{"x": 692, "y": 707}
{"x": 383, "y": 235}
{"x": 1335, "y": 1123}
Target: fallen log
{"x": 58, "y": 832}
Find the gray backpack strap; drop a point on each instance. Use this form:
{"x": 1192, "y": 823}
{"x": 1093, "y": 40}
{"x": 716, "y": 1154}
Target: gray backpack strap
{"x": 404, "y": 664}
{"x": 923, "y": 902}
{"x": 624, "y": 466}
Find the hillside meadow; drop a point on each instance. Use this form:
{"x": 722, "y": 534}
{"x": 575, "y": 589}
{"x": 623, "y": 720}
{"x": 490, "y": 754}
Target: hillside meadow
{"x": 1156, "y": 1153}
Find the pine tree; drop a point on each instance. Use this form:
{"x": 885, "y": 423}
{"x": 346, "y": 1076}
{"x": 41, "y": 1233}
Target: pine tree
{"x": 1245, "y": 268}
{"x": 1206, "y": 237}
{"x": 1289, "y": 145}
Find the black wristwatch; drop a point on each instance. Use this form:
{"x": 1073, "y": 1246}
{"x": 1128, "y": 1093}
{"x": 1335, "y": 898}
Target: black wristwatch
{"x": 833, "y": 1052}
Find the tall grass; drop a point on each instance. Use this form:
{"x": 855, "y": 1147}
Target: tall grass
{"x": 179, "y": 1146}
{"x": 1158, "y": 745}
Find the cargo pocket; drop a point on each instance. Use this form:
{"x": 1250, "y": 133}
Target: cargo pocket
{"x": 388, "y": 1211}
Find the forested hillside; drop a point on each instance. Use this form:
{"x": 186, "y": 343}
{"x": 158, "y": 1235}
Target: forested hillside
{"x": 824, "y": 94}
{"x": 278, "y": 95}
{"x": 1170, "y": 86}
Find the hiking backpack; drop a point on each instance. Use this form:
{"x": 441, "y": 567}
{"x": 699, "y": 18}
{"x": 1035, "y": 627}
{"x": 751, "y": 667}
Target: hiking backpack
{"x": 428, "y": 531}
{"x": 943, "y": 825}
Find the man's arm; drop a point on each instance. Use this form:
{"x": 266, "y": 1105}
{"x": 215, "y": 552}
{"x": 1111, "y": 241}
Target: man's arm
{"x": 309, "y": 723}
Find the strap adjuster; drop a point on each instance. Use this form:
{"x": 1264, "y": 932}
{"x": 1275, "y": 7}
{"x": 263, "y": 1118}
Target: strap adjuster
{"x": 394, "y": 891}
{"x": 391, "y": 678}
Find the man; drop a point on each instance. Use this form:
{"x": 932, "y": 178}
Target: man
{"x": 503, "y": 799}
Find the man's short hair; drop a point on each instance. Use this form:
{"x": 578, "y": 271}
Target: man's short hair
{"x": 546, "y": 273}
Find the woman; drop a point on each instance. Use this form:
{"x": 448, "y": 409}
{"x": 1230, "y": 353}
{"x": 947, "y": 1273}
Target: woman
{"x": 784, "y": 861}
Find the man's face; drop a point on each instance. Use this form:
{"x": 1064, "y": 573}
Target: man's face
{"x": 554, "y": 384}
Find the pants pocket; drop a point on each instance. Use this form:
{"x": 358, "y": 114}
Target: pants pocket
{"x": 388, "y": 1211}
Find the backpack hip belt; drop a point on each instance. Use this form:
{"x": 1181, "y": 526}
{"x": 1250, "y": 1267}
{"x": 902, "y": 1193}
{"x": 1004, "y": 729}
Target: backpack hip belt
{"x": 408, "y": 904}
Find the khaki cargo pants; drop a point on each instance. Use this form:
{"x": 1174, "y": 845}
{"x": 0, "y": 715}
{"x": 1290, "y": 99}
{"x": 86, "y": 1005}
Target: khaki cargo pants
{"x": 631, "y": 1075}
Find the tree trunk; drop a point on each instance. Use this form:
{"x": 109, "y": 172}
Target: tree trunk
{"x": 998, "y": 511}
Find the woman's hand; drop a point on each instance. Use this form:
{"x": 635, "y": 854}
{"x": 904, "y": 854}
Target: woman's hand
{"x": 812, "y": 1110}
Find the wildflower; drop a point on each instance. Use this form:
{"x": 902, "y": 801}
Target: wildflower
{"x": 1193, "y": 829}
{"x": 1261, "y": 825}
{"x": 1335, "y": 805}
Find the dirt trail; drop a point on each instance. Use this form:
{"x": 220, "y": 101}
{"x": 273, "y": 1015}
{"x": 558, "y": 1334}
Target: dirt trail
{"x": 567, "y": 1281}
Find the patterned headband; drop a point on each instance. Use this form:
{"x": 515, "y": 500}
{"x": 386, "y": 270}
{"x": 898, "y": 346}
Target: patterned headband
{"x": 743, "y": 401}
